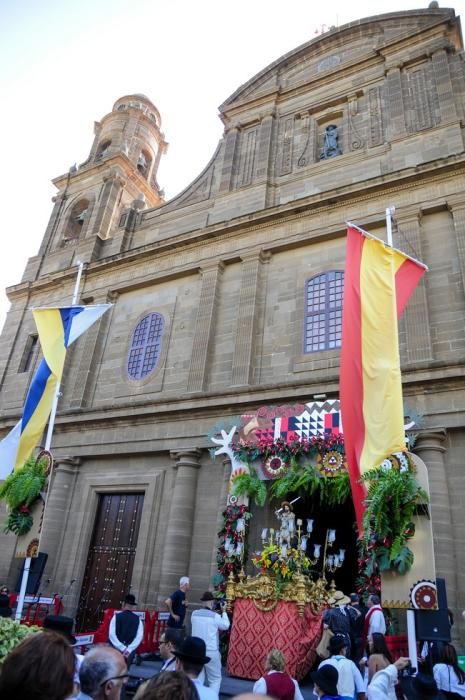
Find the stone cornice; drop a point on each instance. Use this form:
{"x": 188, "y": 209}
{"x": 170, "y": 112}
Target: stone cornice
{"x": 242, "y": 398}
{"x": 265, "y": 218}
{"x": 103, "y": 168}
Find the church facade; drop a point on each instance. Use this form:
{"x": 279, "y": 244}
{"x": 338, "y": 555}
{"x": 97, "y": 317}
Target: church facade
{"x": 228, "y": 298}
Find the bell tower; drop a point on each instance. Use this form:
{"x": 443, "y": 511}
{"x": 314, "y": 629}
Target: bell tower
{"x": 98, "y": 200}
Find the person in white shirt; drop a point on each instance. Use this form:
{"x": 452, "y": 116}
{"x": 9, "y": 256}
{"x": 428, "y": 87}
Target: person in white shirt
{"x": 447, "y": 673}
{"x": 126, "y": 629}
{"x": 383, "y": 683}
{"x": 206, "y": 624}
{"x": 191, "y": 659}
{"x": 350, "y": 682}
{"x": 374, "y": 619}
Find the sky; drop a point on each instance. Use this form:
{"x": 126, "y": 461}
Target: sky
{"x": 65, "y": 62}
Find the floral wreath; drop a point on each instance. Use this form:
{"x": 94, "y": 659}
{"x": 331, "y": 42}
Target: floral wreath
{"x": 275, "y": 466}
{"x": 331, "y": 463}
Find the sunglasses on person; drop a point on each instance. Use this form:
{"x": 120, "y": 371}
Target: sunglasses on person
{"x": 124, "y": 677}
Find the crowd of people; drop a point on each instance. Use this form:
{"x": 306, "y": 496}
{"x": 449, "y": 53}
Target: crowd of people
{"x": 356, "y": 665}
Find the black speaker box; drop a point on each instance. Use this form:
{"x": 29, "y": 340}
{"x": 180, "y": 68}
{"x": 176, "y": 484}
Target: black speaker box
{"x": 432, "y": 625}
{"x": 35, "y": 574}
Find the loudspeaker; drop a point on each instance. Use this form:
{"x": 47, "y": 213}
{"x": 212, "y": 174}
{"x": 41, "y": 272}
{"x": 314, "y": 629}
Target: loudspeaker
{"x": 35, "y": 574}
{"x": 432, "y": 625}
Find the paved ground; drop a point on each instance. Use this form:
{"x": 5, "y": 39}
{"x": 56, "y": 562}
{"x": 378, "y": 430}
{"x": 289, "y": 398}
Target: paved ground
{"x": 229, "y": 687}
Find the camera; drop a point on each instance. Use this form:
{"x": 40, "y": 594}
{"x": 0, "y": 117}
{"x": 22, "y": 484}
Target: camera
{"x": 220, "y": 605}
{"x": 409, "y": 670}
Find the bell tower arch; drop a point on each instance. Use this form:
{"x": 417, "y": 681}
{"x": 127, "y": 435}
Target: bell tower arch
{"x": 118, "y": 177}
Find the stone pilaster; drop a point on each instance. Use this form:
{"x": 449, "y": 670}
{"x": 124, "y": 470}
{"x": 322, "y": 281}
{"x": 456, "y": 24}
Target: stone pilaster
{"x": 91, "y": 352}
{"x": 457, "y": 208}
{"x": 9, "y": 351}
{"x": 64, "y": 477}
{"x": 180, "y": 525}
{"x": 431, "y": 448}
{"x": 114, "y": 183}
{"x": 444, "y": 87}
{"x": 228, "y": 161}
{"x": 394, "y": 103}
{"x": 59, "y": 201}
{"x": 264, "y": 148}
{"x": 246, "y": 331}
{"x": 204, "y": 327}
{"x": 416, "y": 314}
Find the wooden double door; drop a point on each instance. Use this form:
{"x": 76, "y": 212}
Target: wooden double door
{"x": 110, "y": 561}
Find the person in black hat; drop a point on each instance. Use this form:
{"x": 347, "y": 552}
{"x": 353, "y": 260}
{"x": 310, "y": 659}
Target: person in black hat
{"x": 126, "y": 629}
{"x": 61, "y": 624}
{"x": 5, "y": 610}
{"x": 350, "y": 682}
{"x": 206, "y": 624}
{"x": 64, "y": 626}
{"x": 191, "y": 658}
{"x": 325, "y": 680}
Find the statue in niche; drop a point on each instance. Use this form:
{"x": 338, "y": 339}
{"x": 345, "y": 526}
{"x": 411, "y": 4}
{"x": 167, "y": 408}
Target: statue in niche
{"x": 330, "y": 143}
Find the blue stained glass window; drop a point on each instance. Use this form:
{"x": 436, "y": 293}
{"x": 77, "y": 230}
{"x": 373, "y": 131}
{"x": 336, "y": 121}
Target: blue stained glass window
{"x": 323, "y": 312}
{"x": 145, "y": 346}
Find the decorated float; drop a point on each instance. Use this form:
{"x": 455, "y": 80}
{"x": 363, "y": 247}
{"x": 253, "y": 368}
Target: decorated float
{"x": 351, "y": 452}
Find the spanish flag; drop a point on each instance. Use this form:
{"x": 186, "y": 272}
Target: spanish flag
{"x": 378, "y": 282}
{"x": 57, "y": 328}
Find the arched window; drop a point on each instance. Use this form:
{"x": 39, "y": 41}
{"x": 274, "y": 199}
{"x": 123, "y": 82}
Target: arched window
{"x": 323, "y": 311}
{"x": 77, "y": 219}
{"x": 102, "y": 150}
{"x": 144, "y": 352}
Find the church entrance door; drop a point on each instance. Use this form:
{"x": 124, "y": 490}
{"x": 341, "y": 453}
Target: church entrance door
{"x": 110, "y": 560}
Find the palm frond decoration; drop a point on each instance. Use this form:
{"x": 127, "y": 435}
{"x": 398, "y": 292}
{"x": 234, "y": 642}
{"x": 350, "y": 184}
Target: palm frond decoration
{"x": 393, "y": 496}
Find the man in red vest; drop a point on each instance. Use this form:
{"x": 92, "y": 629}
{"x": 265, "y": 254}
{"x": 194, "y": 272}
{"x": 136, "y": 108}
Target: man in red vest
{"x": 374, "y": 619}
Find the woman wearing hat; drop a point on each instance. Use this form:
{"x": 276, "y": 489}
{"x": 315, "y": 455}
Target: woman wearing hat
{"x": 350, "y": 682}
{"x": 276, "y": 682}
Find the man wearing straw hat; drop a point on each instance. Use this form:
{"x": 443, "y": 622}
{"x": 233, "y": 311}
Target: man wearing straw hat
{"x": 340, "y": 618}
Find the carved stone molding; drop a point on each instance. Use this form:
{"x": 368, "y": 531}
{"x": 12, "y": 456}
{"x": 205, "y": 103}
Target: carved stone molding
{"x": 188, "y": 457}
{"x": 431, "y": 439}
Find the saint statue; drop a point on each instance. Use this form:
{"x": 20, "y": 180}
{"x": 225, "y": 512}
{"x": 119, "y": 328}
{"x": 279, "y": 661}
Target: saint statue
{"x": 330, "y": 144}
{"x": 287, "y": 523}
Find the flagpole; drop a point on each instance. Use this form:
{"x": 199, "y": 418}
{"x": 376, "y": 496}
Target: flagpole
{"x": 367, "y": 234}
{"x": 48, "y": 442}
{"x": 389, "y": 214}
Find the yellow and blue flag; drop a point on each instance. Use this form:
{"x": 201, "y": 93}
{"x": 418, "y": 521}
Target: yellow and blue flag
{"x": 57, "y": 328}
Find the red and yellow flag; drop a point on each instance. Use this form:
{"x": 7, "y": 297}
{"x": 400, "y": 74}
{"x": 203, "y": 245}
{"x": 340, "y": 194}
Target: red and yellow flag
{"x": 378, "y": 283}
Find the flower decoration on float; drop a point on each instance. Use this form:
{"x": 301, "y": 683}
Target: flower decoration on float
{"x": 393, "y": 498}
{"x": 232, "y": 550}
{"x": 273, "y": 560}
{"x": 289, "y": 451}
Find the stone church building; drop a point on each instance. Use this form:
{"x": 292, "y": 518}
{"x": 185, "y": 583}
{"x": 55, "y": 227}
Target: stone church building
{"x": 228, "y": 298}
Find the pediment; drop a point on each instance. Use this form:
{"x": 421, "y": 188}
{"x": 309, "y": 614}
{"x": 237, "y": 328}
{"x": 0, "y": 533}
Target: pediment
{"x": 335, "y": 48}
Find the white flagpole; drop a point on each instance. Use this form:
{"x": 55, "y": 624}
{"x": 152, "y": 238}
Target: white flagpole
{"x": 48, "y": 442}
{"x": 389, "y": 214}
{"x": 375, "y": 238}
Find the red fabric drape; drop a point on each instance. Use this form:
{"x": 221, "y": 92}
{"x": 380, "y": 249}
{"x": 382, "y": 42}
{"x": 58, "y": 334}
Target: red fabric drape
{"x": 255, "y": 633}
